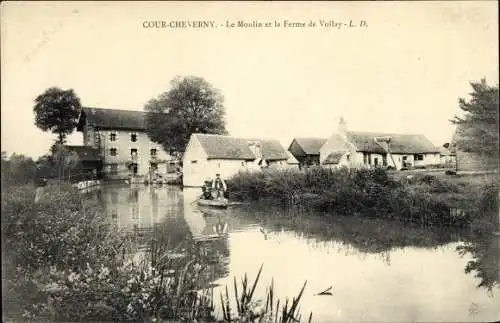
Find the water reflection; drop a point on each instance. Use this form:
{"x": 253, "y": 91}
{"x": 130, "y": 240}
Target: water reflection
{"x": 378, "y": 269}
{"x": 485, "y": 260}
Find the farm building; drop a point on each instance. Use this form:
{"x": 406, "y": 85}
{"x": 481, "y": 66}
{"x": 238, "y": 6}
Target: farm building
{"x": 207, "y": 155}
{"x": 306, "y": 150}
{"x": 371, "y": 149}
{"x": 448, "y": 158}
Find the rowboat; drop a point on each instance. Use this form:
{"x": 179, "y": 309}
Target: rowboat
{"x": 218, "y": 203}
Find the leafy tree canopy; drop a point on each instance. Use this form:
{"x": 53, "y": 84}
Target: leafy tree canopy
{"x": 17, "y": 169}
{"x": 57, "y": 111}
{"x": 192, "y": 105}
{"x": 477, "y": 128}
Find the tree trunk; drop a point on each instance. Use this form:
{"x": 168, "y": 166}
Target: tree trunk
{"x": 60, "y": 138}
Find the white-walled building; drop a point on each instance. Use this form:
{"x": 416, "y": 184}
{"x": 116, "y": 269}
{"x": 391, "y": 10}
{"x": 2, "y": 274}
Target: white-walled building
{"x": 123, "y": 145}
{"x": 370, "y": 149}
{"x": 207, "y": 155}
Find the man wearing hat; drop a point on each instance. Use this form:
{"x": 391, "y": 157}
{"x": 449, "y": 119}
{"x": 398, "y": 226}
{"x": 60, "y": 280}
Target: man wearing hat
{"x": 219, "y": 186}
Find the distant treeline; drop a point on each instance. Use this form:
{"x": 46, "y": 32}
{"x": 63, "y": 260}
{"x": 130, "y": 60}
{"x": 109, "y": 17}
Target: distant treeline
{"x": 19, "y": 169}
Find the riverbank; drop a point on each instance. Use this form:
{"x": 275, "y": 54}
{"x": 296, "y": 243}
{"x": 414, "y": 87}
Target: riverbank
{"x": 464, "y": 201}
{"x": 63, "y": 260}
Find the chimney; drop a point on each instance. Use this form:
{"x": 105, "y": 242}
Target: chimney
{"x": 255, "y": 148}
{"x": 342, "y": 127}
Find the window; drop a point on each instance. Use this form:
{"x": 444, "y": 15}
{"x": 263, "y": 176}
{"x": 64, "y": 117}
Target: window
{"x": 112, "y": 136}
{"x": 348, "y": 157}
{"x": 384, "y": 160}
{"x": 419, "y": 157}
{"x": 375, "y": 161}
{"x": 133, "y": 137}
{"x": 242, "y": 163}
{"x": 194, "y": 161}
{"x": 133, "y": 152}
{"x": 112, "y": 151}
{"x": 113, "y": 169}
{"x": 153, "y": 152}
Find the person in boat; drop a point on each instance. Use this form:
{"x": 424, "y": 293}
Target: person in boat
{"x": 219, "y": 186}
{"x": 207, "y": 190}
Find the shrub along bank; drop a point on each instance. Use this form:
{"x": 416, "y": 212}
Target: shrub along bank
{"x": 64, "y": 261}
{"x": 424, "y": 199}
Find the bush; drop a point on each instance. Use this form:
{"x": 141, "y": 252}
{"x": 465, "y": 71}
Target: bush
{"x": 370, "y": 192}
{"x": 59, "y": 231}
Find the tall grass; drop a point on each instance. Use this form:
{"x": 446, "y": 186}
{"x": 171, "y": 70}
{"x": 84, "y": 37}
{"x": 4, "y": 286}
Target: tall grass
{"x": 421, "y": 199}
{"x": 249, "y": 310}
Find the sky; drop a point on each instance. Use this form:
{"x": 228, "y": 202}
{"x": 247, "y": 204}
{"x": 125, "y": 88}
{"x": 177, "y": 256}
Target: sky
{"x": 401, "y": 72}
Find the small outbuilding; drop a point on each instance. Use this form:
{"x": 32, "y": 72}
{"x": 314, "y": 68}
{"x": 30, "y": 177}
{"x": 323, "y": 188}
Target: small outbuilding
{"x": 207, "y": 155}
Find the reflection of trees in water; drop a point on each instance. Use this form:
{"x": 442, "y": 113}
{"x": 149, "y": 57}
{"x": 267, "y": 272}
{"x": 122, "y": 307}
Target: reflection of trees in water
{"x": 173, "y": 236}
{"x": 213, "y": 255}
{"x": 485, "y": 262}
{"x": 365, "y": 234}
{"x": 381, "y": 236}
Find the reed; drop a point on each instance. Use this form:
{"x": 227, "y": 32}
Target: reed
{"x": 249, "y": 310}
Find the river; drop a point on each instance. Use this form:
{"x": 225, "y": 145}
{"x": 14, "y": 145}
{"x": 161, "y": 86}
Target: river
{"x": 378, "y": 270}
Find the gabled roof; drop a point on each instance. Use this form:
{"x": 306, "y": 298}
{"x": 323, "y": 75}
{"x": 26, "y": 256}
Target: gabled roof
{"x": 112, "y": 119}
{"x": 399, "y": 143}
{"x": 85, "y": 153}
{"x": 226, "y": 147}
{"x": 310, "y": 146}
{"x": 291, "y": 159}
{"x": 334, "y": 157}
{"x": 272, "y": 149}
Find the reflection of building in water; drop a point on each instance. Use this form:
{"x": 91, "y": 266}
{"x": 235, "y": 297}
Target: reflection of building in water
{"x": 134, "y": 208}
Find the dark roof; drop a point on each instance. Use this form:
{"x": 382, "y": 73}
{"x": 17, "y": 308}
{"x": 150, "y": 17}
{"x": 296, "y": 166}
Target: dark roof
{"x": 85, "y": 153}
{"x": 112, "y": 119}
{"x": 226, "y": 147}
{"x": 399, "y": 143}
{"x": 310, "y": 146}
{"x": 334, "y": 158}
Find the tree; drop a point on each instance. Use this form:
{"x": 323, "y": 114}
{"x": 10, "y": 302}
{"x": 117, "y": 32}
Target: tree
{"x": 18, "y": 169}
{"x": 478, "y": 126}
{"x": 63, "y": 160}
{"x": 57, "y": 111}
{"x": 192, "y": 105}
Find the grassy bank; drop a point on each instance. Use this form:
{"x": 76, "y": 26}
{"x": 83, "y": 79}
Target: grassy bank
{"x": 63, "y": 260}
{"x": 423, "y": 199}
